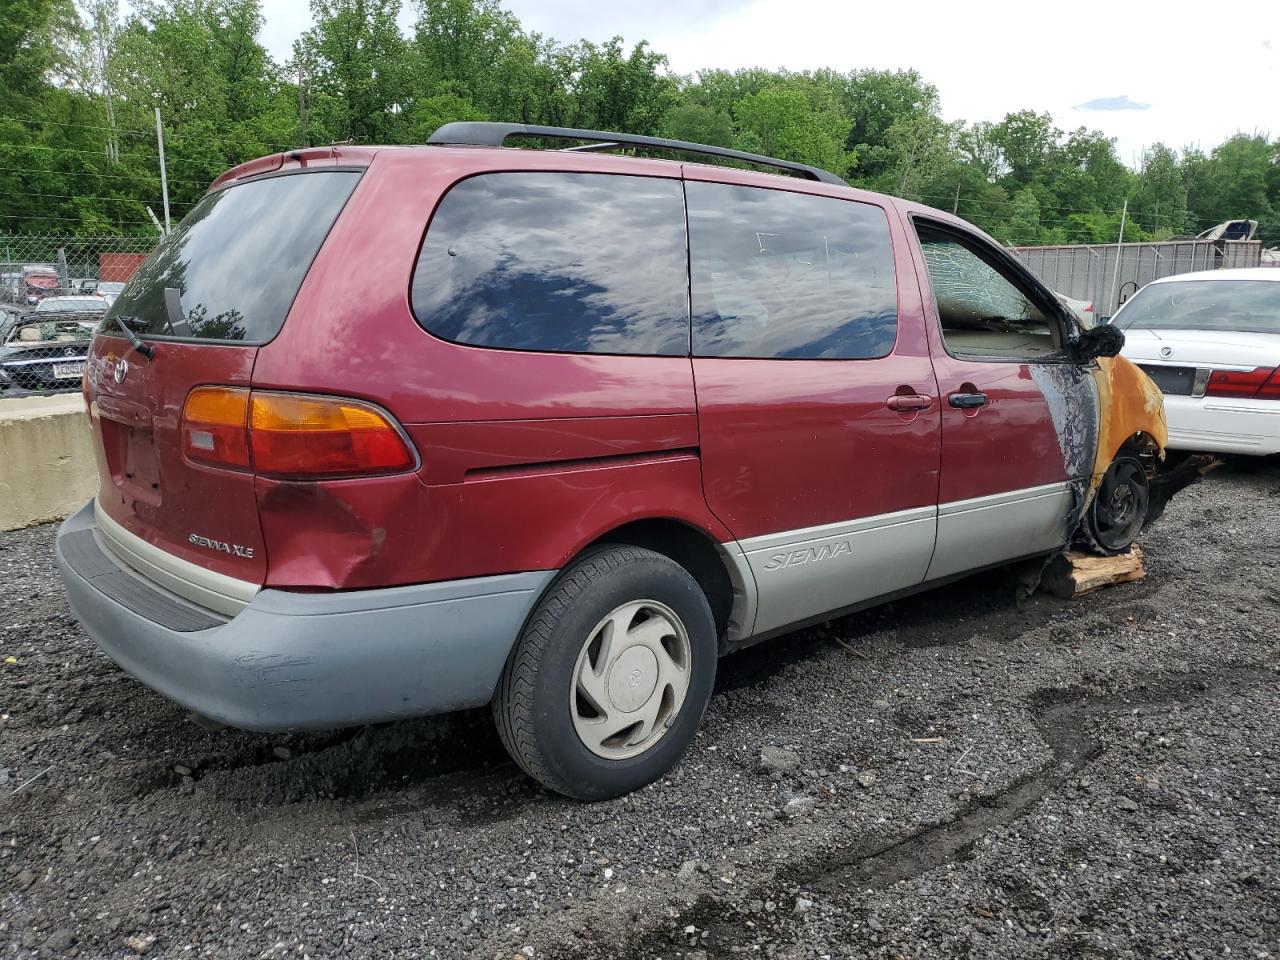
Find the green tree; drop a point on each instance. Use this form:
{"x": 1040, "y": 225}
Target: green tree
{"x": 1023, "y": 226}
{"x": 1236, "y": 180}
{"x": 1158, "y": 200}
{"x": 700, "y": 124}
{"x": 921, "y": 145}
{"x": 358, "y": 70}
{"x": 615, "y": 90}
{"x": 1026, "y": 141}
{"x": 781, "y": 122}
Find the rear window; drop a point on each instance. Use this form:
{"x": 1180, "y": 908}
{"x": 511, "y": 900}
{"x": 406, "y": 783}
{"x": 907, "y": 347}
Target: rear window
{"x": 558, "y": 262}
{"x": 236, "y": 261}
{"x": 789, "y": 276}
{"x": 1243, "y": 306}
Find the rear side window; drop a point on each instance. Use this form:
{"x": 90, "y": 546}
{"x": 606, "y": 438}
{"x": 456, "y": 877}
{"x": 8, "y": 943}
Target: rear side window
{"x": 559, "y": 262}
{"x": 789, "y": 275}
{"x": 236, "y": 261}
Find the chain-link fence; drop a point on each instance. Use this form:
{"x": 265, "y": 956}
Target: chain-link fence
{"x": 53, "y": 292}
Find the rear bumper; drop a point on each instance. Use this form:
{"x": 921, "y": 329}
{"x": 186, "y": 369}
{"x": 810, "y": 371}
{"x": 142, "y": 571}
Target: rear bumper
{"x": 1220, "y": 425}
{"x": 301, "y": 660}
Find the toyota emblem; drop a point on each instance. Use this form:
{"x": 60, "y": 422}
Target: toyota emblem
{"x": 122, "y": 370}
{"x": 1164, "y": 352}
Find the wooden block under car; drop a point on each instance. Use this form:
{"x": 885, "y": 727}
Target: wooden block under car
{"x": 1073, "y": 573}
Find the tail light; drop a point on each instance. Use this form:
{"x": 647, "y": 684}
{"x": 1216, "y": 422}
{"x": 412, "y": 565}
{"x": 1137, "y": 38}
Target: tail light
{"x": 1271, "y": 389}
{"x": 214, "y": 427}
{"x": 291, "y": 435}
{"x": 1259, "y": 382}
{"x": 299, "y": 436}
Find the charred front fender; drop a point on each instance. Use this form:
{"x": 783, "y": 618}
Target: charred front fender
{"x": 1130, "y": 412}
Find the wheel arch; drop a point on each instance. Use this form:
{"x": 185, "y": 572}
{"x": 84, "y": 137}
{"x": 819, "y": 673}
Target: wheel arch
{"x": 720, "y": 568}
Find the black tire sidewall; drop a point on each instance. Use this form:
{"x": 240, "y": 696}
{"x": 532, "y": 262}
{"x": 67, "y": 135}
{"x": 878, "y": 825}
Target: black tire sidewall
{"x": 648, "y": 577}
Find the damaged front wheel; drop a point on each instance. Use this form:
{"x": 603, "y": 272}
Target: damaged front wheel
{"x": 1119, "y": 508}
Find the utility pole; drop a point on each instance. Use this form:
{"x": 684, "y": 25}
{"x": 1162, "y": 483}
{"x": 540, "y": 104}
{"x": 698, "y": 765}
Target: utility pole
{"x": 956, "y": 206}
{"x": 1115, "y": 274}
{"x": 164, "y": 176}
{"x": 302, "y": 102}
{"x": 113, "y": 138}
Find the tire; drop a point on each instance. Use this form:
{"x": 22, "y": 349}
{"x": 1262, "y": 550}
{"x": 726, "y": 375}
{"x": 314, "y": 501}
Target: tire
{"x": 591, "y": 637}
{"x": 1118, "y": 511}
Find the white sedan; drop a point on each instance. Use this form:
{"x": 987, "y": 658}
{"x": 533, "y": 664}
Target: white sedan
{"x": 1211, "y": 342}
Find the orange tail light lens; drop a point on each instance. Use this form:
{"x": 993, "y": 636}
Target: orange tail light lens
{"x": 291, "y": 435}
{"x": 309, "y": 437}
{"x": 214, "y": 423}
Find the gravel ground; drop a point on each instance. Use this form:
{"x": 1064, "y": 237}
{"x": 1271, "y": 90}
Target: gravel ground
{"x": 962, "y": 773}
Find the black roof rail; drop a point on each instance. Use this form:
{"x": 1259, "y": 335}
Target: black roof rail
{"x": 483, "y": 134}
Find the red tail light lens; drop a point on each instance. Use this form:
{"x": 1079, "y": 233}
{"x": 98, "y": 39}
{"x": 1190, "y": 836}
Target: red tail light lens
{"x": 1237, "y": 383}
{"x": 1271, "y": 389}
{"x": 214, "y": 423}
{"x": 297, "y": 436}
{"x": 290, "y": 435}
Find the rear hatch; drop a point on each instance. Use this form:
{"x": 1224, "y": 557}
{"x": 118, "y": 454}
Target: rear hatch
{"x": 216, "y": 289}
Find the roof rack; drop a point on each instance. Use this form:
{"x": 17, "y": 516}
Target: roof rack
{"x": 482, "y": 134}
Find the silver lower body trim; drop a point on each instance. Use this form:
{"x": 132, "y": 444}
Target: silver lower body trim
{"x": 804, "y": 573}
{"x": 987, "y": 530}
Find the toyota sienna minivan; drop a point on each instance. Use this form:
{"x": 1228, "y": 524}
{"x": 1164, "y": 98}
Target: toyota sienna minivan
{"x": 384, "y": 432}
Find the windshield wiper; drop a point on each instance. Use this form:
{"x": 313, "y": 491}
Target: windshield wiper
{"x": 135, "y": 341}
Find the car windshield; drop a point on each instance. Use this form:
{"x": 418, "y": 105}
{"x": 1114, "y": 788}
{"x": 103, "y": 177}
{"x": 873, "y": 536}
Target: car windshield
{"x": 1245, "y": 306}
{"x": 71, "y": 305}
{"x": 47, "y": 331}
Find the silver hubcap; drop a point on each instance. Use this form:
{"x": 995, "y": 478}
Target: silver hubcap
{"x": 630, "y": 680}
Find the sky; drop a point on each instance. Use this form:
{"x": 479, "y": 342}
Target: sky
{"x": 1178, "y": 73}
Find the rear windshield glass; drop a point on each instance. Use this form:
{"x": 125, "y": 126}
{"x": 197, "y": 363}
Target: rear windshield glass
{"x": 1246, "y": 306}
{"x": 561, "y": 262}
{"x": 236, "y": 260}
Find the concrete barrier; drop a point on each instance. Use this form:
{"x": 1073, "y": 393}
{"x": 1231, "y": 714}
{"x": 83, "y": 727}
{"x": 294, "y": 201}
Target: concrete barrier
{"x": 47, "y": 469}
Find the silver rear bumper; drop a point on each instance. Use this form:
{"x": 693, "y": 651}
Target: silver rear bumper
{"x": 300, "y": 660}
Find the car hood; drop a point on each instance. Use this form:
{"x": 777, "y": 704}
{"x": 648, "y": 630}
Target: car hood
{"x": 1203, "y": 347}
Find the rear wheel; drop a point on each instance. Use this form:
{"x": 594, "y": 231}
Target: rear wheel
{"x": 609, "y": 680}
{"x": 1119, "y": 508}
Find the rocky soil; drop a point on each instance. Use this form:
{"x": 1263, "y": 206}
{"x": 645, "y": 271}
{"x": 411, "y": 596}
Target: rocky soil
{"x": 959, "y": 774}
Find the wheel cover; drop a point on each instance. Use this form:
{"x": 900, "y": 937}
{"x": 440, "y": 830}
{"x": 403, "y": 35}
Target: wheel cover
{"x": 630, "y": 679}
{"x": 1120, "y": 505}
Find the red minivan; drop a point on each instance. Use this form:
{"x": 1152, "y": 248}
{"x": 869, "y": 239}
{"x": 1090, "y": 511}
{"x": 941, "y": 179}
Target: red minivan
{"x": 384, "y": 432}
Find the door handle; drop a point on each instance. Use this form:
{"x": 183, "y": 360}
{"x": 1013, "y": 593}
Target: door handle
{"x": 967, "y": 401}
{"x": 904, "y": 403}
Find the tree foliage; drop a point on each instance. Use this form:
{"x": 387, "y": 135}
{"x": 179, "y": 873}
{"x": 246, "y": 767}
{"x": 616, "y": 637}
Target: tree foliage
{"x": 81, "y": 82}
